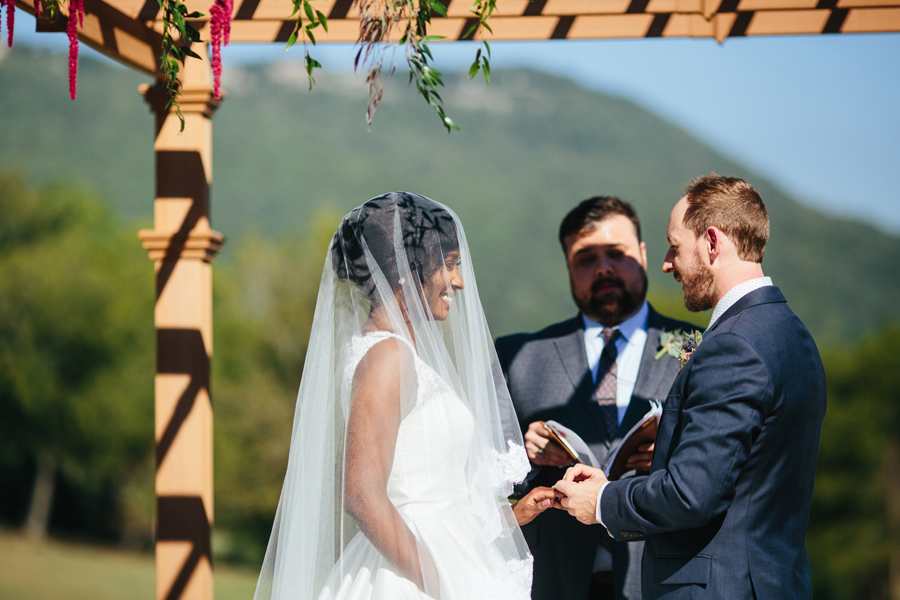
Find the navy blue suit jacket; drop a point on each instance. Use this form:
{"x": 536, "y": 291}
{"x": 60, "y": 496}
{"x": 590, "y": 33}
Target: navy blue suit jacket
{"x": 725, "y": 507}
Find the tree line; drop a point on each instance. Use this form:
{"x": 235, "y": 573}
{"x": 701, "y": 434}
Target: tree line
{"x": 76, "y": 392}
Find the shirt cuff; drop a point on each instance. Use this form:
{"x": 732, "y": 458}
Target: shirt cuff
{"x": 599, "y": 496}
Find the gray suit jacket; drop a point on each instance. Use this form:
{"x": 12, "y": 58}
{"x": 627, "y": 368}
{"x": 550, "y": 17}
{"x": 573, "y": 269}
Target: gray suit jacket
{"x": 549, "y": 378}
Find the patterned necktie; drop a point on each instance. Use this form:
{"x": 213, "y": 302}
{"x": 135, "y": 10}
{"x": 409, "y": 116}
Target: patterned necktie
{"x": 607, "y": 381}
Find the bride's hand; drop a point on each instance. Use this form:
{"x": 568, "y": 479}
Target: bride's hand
{"x": 534, "y": 503}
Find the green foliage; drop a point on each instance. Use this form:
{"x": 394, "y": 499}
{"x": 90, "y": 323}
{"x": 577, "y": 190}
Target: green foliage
{"x": 377, "y": 22}
{"x": 483, "y": 11}
{"x": 265, "y": 300}
{"x": 314, "y": 18}
{"x": 76, "y": 360}
{"x": 849, "y": 541}
{"x": 418, "y": 55}
{"x": 175, "y": 17}
{"x": 76, "y": 366}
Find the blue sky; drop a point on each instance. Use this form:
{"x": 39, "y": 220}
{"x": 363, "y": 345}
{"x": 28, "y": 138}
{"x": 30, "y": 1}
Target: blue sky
{"x": 817, "y": 115}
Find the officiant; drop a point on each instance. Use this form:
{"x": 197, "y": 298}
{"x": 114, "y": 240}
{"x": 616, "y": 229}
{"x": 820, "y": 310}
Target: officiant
{"x": 595, "y": 374}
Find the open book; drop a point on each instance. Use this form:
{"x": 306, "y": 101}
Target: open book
{"x": 572, "y": 443}
{"x": 643, "y": 432}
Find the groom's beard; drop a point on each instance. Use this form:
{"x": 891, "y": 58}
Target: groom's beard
{"x": 613, "y": 306}
{"x": 699, "y": 289}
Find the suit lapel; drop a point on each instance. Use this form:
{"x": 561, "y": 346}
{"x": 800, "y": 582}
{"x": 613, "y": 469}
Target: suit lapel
{"x": 570, "y": 348}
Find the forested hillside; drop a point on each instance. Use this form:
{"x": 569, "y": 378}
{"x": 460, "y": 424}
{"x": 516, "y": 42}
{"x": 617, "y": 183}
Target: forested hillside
{"x": 531, "y": 146}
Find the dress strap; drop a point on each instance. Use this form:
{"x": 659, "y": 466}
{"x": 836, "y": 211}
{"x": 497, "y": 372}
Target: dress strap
{"x": 367, "y": 340}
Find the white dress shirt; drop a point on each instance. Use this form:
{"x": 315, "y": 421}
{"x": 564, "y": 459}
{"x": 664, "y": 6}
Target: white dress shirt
{"x": 724, "y": 303}
{"x": 630, "y": 347}
{"x": 735, "y": 294}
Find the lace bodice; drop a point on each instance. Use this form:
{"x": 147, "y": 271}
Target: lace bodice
{"x": 433, "y": 440}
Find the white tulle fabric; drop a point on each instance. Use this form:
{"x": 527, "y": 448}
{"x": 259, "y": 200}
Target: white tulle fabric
{"x": 436, "y": 522}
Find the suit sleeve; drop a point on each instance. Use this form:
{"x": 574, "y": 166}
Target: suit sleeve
{"x": 725, "y": 401}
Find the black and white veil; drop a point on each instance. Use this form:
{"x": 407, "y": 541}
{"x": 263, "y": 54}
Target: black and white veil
{"x": 404, "y": 430}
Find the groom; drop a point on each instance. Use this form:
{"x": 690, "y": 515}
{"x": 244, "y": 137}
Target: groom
{"x": 725, "y": 507}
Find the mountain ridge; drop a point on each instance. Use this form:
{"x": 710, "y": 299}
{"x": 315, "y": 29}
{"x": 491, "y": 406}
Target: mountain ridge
{"x": 531, "y": 147}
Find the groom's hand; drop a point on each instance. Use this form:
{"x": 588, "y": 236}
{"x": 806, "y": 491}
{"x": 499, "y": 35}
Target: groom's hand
{"x": 580, "y": 487}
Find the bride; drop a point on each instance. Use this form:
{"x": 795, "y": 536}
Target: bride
{"x": 405, "y": 445}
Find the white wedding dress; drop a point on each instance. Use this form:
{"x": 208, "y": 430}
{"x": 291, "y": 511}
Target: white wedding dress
{"x": 427, "y": 485}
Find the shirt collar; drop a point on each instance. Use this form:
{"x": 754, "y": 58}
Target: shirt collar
{"x": 735, "y": 294}
{"x": 627, "y": 327}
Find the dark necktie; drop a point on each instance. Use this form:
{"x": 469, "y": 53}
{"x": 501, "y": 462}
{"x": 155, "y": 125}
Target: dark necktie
{"x": 607, "y": 381}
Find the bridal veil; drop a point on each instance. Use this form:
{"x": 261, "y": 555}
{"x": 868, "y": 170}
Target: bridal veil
{"x": 390, "y": 258}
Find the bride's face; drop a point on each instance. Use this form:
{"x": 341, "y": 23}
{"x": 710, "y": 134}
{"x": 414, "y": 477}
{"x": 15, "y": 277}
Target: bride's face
{"x": 441, "y": 288}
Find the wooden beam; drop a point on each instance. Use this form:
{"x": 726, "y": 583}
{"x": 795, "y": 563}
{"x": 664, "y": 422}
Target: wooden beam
{"x": 113, "y": 33}
{"x": 638, "y": 25}
{"x": 130, "y": 30}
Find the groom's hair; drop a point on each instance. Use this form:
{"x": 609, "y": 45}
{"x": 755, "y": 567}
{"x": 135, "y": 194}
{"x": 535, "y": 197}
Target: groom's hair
{"x": 732, "y": 205}
{"x": 594, "y": 210}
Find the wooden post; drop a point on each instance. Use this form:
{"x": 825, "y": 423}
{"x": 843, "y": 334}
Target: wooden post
{"x": 183, "y": 246}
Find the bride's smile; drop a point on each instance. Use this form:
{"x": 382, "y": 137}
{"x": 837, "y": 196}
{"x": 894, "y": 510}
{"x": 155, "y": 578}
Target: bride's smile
{"x": 441, "y": 288}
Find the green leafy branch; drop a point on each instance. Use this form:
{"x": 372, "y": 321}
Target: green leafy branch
{"x": 378, "y": 18}
{"x": 314, "y": 18}
{"x": 173, "y": 54}
{"x": 47, "y": 10}
{"x": 418, "y": 56}
{"x": 420, "y": 59}
{"x": 483, "y": 11}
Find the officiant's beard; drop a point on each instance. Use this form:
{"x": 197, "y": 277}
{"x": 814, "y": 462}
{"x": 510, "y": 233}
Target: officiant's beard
{"x": 699, "y": 289}
{"x": 614, "y": 306}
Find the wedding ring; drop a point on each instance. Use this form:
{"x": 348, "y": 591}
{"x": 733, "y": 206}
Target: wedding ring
{"x": 539, "y": 452}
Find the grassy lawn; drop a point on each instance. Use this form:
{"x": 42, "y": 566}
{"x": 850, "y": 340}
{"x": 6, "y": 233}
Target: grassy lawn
{"x": 68, "y": 571}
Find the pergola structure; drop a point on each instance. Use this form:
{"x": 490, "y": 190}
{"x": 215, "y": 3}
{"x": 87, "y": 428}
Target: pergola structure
{"x": 182, "y": 243}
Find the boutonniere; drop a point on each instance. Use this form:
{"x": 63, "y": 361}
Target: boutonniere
{"x": 678, "y": 344}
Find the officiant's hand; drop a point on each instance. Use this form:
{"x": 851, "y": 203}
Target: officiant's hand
{"x": 641, "y": 458}
{"x": 580, "y": 487}
{"x": 541, "y": 448}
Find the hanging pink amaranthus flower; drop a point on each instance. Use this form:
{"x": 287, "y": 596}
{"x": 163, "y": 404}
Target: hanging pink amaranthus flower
{"x": 76, "y": 19}
{"x": 229, "y": 11}
{"x": 10, "y": 19}
{"x": 220, "y": 35}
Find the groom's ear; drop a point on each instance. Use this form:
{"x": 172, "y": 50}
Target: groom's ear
{"x": 712, "y": 241}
